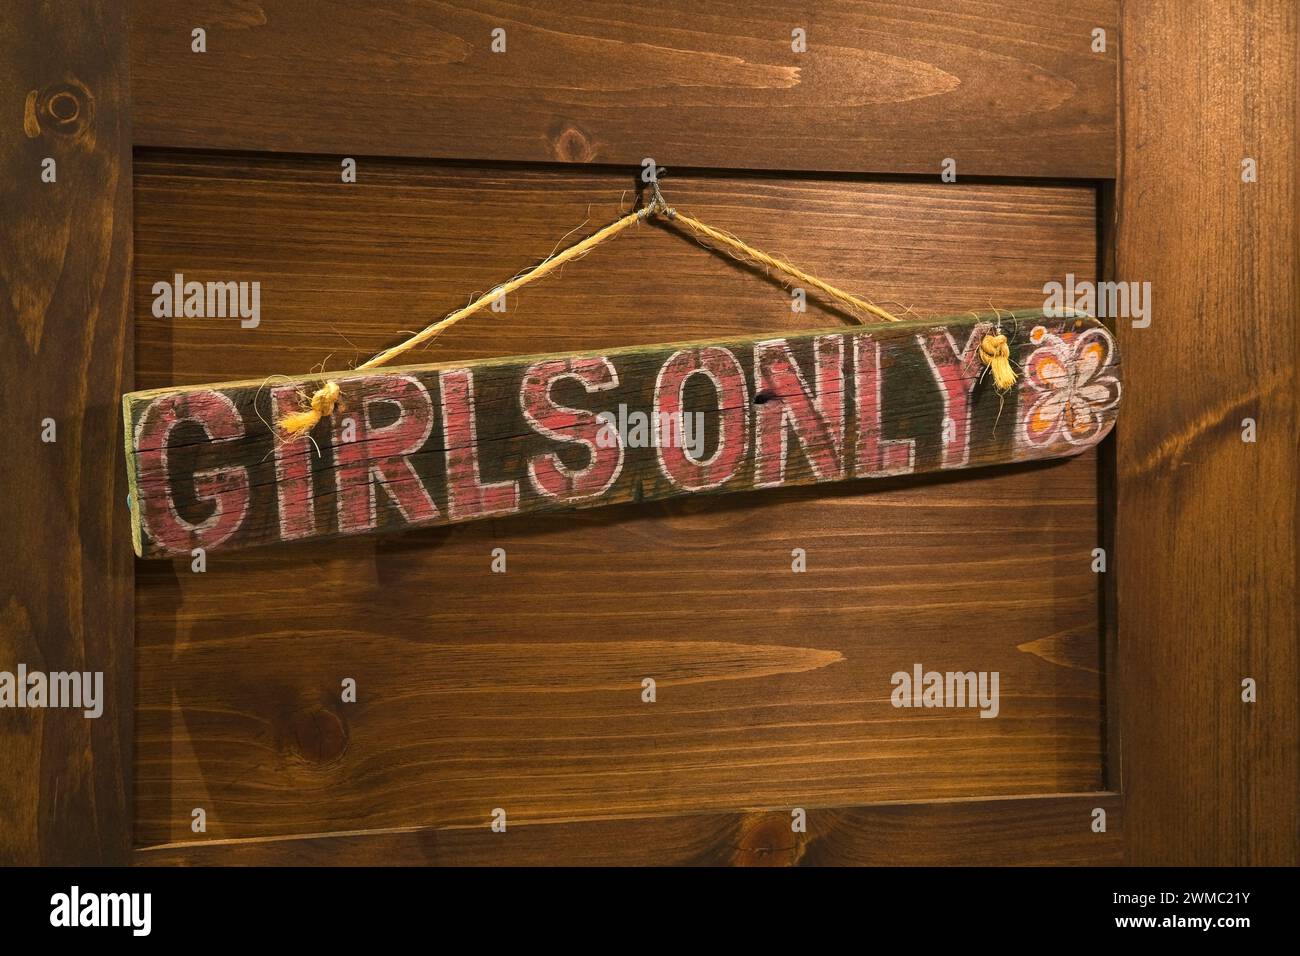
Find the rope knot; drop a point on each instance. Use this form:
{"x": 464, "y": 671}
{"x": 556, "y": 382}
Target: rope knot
{"x": 995, "y": 353}
{"x": 657, "y": 202}
{"x": 322, "y": 405}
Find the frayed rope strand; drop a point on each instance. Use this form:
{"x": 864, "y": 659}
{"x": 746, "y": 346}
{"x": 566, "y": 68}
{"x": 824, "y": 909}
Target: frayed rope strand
{"x": 326, "y": 398}
{"x": 322, "y": 405}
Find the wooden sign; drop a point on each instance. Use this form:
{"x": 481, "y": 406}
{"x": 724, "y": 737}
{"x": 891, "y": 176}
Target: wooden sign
{"x": 436, "y": 444}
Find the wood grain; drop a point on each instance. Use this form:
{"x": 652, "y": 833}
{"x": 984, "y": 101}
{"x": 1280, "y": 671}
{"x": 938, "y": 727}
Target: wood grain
{"x": 523, "y": 689}
{"x": 1008, "y": 89}
{"x": 1035, "y": 831}
{"x": 426, "y": 445}
{"x": 1207, "y": 529}
{"x": 65, "y": 354}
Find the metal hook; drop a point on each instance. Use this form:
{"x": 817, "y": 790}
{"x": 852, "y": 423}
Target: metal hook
{"x": 657, "y": 198}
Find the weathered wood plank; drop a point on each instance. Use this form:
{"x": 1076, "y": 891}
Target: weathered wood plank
{"x": 66, "y": 589}
{"x": 429, "y": 445}
{"x": 1011, "y": 89}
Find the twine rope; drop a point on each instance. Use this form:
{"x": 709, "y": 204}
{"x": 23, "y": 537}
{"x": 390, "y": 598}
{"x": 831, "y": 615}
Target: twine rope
{"x": 718, "y": 237}
{"x": 322, "y": 403}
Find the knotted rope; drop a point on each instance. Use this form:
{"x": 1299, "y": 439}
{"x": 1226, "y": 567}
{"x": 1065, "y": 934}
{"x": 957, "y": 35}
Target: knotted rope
{"x": 997, "y": 356}
{"x": 993, "y": 348}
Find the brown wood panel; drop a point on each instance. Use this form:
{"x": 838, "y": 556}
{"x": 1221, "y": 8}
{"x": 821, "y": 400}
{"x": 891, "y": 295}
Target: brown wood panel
{"x": 1036, "y": 831}
{"x": 1008, "y": 88}
{"x": 66, "y": 594}
{"x": 523, "y": 690}
{"x": 1207, "y": 529}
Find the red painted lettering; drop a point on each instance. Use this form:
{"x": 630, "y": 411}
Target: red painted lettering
{"x": 378, "y": 456}
{"x": 676, "y": 461}
{"x": 786, "y": 403}
{"x": 956, "y": 374}
{"x": 225, "y": 488}
{"x": 548, "y": 474}
{"x": 875, "y": 455}
{"x": 292, "y": 470}
{"x": 467, "y": 495}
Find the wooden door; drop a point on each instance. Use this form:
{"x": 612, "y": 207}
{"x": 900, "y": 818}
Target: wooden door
{"x": 482, "y": 693}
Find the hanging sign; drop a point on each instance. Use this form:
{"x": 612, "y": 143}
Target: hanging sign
{"x": 210, "y": 467}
